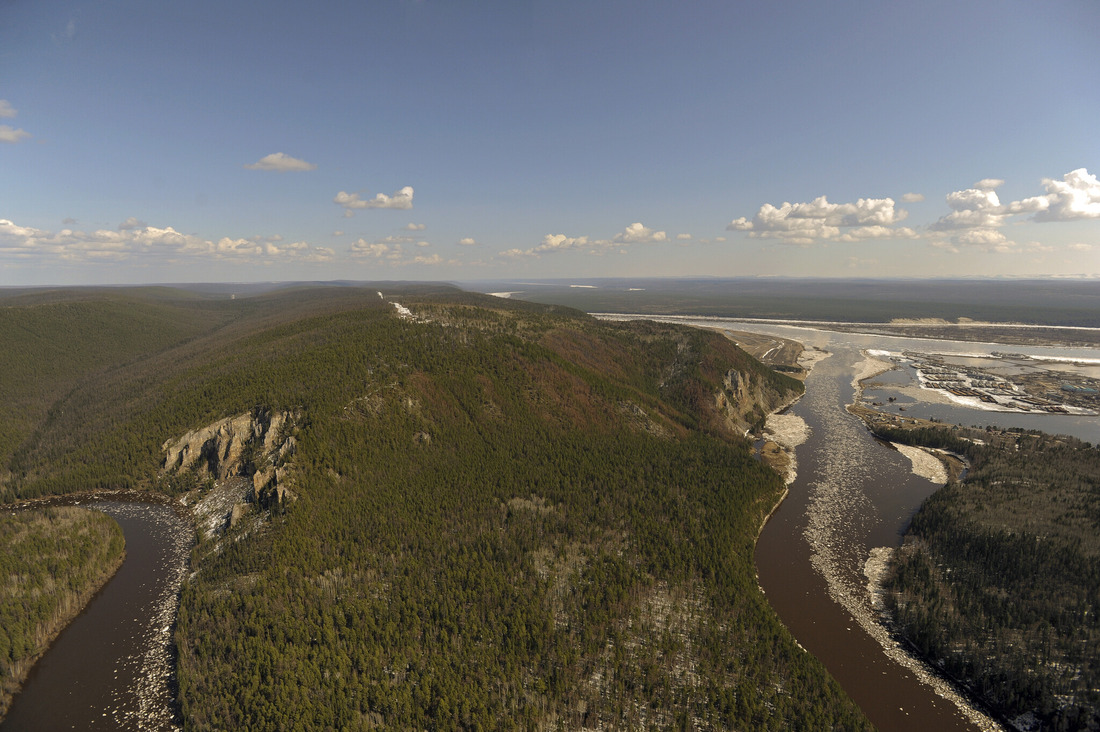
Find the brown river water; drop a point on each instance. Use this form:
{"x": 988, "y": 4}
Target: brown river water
{"x": 111, "y": 668}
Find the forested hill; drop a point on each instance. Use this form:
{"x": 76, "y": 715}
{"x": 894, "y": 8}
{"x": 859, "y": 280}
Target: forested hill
{"x": 507, "y": 515}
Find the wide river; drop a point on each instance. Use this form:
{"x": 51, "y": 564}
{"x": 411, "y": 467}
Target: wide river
{"x": 851, "y": 498}
{"x": 111, "y": 668}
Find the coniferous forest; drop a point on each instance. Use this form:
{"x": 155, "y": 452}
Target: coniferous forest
{"x": 501, "y": 515}
{"x": 998, "y": 581}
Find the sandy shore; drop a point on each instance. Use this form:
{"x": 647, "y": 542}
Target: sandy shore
{"x": 870, "y": 612}
{"x": 925, "y": 464}
{"x": 869, "y": 367}
{"x": 787, "y": 431}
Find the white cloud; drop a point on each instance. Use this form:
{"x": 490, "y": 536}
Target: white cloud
{"x": 683, "y": 237}
{"x": 1081, "y": 247}
{"x": 280, "y": 163}
{"x": 1076, "y": 196}
{"x": 635, "y": 233}
{"x": 561, "y": 242}
{"x": 10, "y": 134}
{"x": 134, "y": 239}
{"x": 912, "y": 197}
{"x": 414, "y": 227}
{"x": 638, "y": 234}
{"x": 981, "y": 239}
{"x": 467, "y": 241}
{"x": 864, "y": 233}
{"x": 402, "y": 199}
{"x": 375, "y": 250}
{"x": 6, "y": 110}
{"x": 985, "y": 238}
{"x": 818, "y": 220}
{"x": 391, "y": 251}
{"x": 132, "y": 223}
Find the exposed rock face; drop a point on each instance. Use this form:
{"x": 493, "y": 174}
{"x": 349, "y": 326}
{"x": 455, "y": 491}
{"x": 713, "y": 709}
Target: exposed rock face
{"x": 256, "y": 444}
{"x": 743, "y": 400}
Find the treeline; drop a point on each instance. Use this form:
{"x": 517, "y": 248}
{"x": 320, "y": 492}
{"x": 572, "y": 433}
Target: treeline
{"x": 508, "y": 516}
{"x": 998, "y": 580}
{"x": 52, "y": 561}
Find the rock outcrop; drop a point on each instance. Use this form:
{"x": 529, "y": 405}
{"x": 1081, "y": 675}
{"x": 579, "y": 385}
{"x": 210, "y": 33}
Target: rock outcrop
{"x": 256, "y": 445}
{"x": 743, "y": 401}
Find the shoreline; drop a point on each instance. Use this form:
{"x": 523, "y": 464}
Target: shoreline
{"x": 793, "y": 433}
{"x": 57, "y": 624}
{"x": 157, "y": 701}
{"x": 866, "y": 607}
{"x": 875, "y": 622}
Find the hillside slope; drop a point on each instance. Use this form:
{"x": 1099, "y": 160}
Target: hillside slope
{"x": 507, "y": 516}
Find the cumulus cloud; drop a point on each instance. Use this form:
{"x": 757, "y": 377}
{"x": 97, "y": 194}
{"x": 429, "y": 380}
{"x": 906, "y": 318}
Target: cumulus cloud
{"x": 414, "y": 227}
{"x": 135, "y": 239}
{"x": 683, "y": 237}
{"x": 391, "y": 251}
{"x": 280, "y": 163}
{"x": 402, "y": 199}
{"x": 1075, "y": 196}
{"x": 635, "y": 233}
{"x": 638, "y": 234}
{"x": 12, "y": 135}
{"x": 6, "y": 110}
{"x": 912, "y": 197}
{"x": 818, "y": 220}
{"x": 1081, "y": 247}
{"x": 467, "y": 241}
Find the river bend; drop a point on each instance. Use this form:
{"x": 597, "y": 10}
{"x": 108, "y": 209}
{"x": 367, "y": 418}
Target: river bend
{"x": 112, "y": 668}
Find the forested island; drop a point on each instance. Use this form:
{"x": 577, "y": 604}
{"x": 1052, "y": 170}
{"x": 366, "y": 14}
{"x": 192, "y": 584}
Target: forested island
{"x": 428, "y": 508}
{"x": 998, "y": 580}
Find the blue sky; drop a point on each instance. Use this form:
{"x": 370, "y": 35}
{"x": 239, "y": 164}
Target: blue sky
{"x": 152, "y": 141}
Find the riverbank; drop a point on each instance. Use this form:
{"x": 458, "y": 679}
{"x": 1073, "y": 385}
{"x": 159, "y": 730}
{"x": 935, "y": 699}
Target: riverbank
{"x": 870, "y": 613}
{"x": 56, "y": 560}
{"x": 114, "y": 660}
{"x": 836, "y": 499}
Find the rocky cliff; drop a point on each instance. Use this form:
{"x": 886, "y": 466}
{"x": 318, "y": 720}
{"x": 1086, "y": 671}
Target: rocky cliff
{"x": 255, "y": 445}
{"x": 743, "y": 401}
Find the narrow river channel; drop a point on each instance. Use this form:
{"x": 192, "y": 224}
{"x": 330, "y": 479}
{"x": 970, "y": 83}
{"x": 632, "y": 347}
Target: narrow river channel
{"x": 111, "y": 668}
